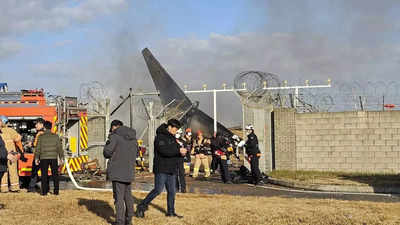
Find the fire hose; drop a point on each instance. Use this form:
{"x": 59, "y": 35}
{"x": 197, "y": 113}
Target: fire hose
{"x": 86, "y": 188}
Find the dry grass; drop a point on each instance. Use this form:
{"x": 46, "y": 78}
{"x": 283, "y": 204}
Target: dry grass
{"x": 89, "y": 208}
{"x": 339, "y": 178}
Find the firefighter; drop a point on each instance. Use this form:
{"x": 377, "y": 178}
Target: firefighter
{"x": 180, "y": 178}
{"x": 221, "y": 156}
{"x": 201, "y": 148}
{"x": 11, "y": 139}
{"x": 253, "y": 153}
{"x": 188, "y": 143}
{"x": 35, "y": 168}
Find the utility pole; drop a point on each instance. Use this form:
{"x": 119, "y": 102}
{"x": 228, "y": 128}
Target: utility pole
{"x": 130, "y": 108}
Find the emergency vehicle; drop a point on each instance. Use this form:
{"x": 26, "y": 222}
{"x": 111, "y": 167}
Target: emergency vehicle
{"x": 24, "y": 107}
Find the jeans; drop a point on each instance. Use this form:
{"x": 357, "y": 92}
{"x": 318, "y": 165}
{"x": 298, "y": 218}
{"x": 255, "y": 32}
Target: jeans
{"x": 161, "y": 180}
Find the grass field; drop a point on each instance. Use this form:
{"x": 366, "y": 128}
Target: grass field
{"x": 339, "y": 178}
{"x": 90, "y": 208}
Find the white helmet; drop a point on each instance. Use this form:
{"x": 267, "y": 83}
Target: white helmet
{"x": 235, "y": 137}
{"x": 249, "y": 127}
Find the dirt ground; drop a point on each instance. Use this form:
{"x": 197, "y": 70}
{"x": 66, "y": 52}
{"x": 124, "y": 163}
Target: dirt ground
{"x": 89, "y": 208}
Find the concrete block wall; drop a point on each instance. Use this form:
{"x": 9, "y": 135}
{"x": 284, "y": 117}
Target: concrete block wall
{"x": 260, "y": 117}
{"x": 97, "y": 130}
{"x": 285, "y": 139}
{"x": 346, "y": 141}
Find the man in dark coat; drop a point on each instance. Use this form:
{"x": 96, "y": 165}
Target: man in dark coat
{"x": 180, "y": 178}
{"x": 121, "y": 149}
{"x": 49, "y": 152}
{"x": 35, "y": 168}
{"x": 221, "y": 146}
{"x": 167, "y": 156}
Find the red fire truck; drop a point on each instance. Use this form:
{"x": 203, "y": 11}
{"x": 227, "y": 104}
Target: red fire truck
{"x": 24, "y": 107}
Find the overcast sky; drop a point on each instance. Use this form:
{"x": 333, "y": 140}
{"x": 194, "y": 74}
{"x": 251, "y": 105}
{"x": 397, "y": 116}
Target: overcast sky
{"x": 60, "y": 44}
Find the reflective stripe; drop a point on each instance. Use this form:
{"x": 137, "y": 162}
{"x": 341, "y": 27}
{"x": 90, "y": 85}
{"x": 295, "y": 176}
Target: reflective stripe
{"x": 83, "y": 134}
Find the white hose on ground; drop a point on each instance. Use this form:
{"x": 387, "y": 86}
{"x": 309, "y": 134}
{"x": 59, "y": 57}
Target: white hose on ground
{"x": 86, "y": 188}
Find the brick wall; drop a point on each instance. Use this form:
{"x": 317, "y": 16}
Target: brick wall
{"x": 342, "y": 141}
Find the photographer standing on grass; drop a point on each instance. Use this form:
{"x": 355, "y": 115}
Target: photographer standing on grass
{"x": 121, "y": 149}
{"x": 167, "y": 157}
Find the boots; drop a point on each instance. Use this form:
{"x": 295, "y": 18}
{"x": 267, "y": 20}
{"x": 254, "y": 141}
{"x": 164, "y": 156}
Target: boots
{"x": 140, "y": 209}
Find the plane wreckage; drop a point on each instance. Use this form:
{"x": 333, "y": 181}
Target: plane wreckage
{"x": 177, "y": 104}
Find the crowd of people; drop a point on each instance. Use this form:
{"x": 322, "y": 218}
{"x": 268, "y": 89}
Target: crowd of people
{"x": 173, "y": 152}
{"x": 220, "y": 149}
{"x": 47, "y": 151}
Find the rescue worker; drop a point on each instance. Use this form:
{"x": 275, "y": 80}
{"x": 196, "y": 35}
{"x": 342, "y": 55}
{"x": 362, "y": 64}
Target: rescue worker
{"x": 35, "y": 168}
{"x": 221, "y": 157}
{"x": 167, "y": 154}
{"x": 253, "y": 153}
{"x": 201, "y": 148}
{"x": 180, "y": 178}
{"x": 11, "y": 139}
{"x": 235, "y": 142}
{"x": 49, "y": 152}
{"x": 188, "y": 143}
{"x": 121, "y": 149}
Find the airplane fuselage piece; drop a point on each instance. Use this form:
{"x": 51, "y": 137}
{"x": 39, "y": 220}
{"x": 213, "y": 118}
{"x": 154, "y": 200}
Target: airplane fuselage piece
{"x": 174, "y": 97}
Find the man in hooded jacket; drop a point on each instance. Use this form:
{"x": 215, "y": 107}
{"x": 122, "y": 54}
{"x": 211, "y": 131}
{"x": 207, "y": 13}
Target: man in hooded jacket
{"x": 167, "y": 156}
{"x": 121, "y": 149}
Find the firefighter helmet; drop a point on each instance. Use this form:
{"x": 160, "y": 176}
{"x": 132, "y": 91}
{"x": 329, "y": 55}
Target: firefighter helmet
{"x": 4, "y": 119}
{"x": 249, "y": 127}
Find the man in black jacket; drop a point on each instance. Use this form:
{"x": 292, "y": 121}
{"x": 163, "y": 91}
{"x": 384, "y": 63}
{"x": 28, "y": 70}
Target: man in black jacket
{"x": 121, "y": 149}
{"x": 180, "y": 178}
{"x": 35, "y": 168}
{"x": 167, "y": 156}
{"x": 254, "y": 154}
{"x": 221, "y": 156}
